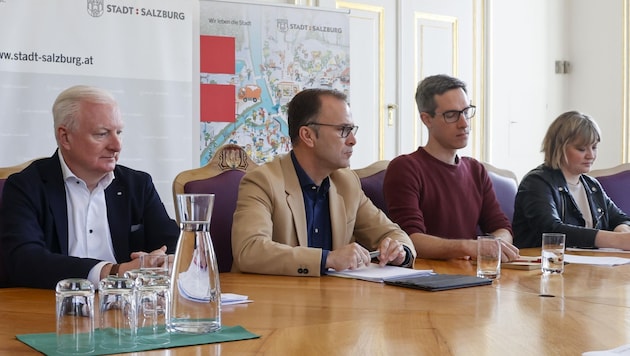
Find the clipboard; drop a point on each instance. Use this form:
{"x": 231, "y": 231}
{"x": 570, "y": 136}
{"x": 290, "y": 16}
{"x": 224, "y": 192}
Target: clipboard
{"x": 525, "y": 263}
{"x": 439, "y": 282}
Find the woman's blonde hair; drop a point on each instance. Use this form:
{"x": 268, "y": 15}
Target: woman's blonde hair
{"x": 572, "y": 127}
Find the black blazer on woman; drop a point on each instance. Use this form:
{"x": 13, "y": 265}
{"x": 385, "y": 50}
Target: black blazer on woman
{"x": 544, "y": 204}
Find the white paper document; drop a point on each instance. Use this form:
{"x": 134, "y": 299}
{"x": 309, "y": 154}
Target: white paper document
{"x": 596, "y": 260}
{"x": 602, "y": 249}
{"x": 231, "y": 298}
{"x": 620, "y": 351}
{"x": 376, "y": 273}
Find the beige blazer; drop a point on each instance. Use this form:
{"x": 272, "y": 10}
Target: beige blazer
{"x": 269, "y": 230}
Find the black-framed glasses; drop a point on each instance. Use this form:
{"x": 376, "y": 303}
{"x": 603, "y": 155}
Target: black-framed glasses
{"x": 452, "y": 116}
{"x": 343, "y": 129}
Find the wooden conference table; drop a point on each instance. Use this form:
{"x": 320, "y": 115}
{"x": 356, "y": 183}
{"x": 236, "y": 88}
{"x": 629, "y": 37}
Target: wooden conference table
{"x": 586, "y": 309}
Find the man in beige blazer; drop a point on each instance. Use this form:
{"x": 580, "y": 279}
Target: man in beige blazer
{"x": 305, "y": 212}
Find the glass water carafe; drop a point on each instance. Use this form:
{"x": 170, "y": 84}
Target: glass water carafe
{"x": 195, "y": 291}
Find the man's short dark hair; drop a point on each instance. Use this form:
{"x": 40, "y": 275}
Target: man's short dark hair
{"x": 304, "y": 107}
{"x": 434, "y": 85}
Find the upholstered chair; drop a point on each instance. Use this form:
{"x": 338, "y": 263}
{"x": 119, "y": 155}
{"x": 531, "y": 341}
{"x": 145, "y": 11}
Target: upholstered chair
{"x": 372, "y": 182}
{"x": 616, "y": 183}
{"x": 221, "y": 177}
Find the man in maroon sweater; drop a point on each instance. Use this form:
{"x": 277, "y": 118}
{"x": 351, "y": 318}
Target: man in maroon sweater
{"x": 438, "y": 198}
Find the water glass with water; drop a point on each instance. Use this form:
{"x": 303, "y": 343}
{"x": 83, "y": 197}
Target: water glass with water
{"x": 553, "y": 252}
{"x": 488, "y": 257}
{"x": 195, "y": 288}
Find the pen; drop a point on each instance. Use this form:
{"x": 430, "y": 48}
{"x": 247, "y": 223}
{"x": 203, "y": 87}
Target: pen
{"x": 536, "y": 260}
{"x": 374, "y": 254}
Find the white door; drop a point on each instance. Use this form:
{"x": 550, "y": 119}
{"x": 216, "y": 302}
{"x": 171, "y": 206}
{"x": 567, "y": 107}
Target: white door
{"x": 373, "y": 74}
{"x": 393, "y": 45}
{"x": 439, "y": 37}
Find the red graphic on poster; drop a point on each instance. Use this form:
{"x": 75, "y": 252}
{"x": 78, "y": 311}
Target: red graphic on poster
{"x": 217, "y": 101}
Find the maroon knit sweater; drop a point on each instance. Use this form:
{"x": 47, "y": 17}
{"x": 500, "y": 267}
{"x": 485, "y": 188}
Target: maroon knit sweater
{"x": 426, "y": 195}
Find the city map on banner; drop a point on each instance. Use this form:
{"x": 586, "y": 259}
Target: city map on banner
{"x": 253, "y": 60}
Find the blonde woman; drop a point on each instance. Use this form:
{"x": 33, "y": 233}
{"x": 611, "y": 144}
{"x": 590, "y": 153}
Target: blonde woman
{"x": 558, "y": 196}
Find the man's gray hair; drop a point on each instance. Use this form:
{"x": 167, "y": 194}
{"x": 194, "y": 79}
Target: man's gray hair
{"x": 68, "y": 104}
{"x": 434, "y": 85}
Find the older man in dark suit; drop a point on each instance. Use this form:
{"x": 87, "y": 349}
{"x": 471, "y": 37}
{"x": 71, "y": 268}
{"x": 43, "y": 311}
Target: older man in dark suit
{"x": 78, "y": 213}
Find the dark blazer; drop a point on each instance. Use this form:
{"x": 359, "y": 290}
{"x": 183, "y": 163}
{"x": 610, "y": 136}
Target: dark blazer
{"x": 34, "y": 224}
{"x": 544, "y": 204}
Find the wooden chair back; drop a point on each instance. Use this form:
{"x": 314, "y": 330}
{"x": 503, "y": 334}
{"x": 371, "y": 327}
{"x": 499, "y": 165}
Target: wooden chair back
{"x": 221, "y": 177}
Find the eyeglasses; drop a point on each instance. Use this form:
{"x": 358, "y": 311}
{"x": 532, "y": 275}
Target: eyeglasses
{"x": 452, "y": 116}
{"x": 344, "y": 129}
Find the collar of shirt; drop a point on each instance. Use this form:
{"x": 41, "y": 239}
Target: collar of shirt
{"x": 307, "y": 184}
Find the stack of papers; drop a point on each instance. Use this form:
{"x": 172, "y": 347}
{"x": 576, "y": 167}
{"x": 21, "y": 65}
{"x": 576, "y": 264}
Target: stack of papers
{"x": 596, "y": 249}
{"x": 527, "y": 263}
{"x": 376, "y": 273}
{"x": 596, "y": 260}
{"x": 193, "y": 285}
{"x": 620, "y": 351}
{"x": 231, "y": 298}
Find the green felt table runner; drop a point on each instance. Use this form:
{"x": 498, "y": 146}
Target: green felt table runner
{"x": 47, "y": 342}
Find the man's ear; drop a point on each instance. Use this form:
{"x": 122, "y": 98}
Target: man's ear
{"x": 427, "y": 119}
{"x": 62, "y": 136}
{"x": 307, "y": 136}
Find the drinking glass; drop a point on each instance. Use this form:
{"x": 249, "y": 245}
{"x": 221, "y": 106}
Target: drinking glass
{"x": 75, "y": 316}
{"x": 552, "y": 252}
{"x": 117, "y": 312}
{"x": 488, "y": 257}
{"x": 157, "y": 264}
{"x": 153, "y": 298}
{"x": 133, "y": 273}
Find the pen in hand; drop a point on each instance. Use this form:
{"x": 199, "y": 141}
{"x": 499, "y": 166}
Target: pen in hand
{"x": 374, "y": 254}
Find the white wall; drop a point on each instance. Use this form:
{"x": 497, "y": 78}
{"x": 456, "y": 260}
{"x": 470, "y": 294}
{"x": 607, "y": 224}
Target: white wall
{"x": 525, "y": 38}
{"x": 594, "y": 34}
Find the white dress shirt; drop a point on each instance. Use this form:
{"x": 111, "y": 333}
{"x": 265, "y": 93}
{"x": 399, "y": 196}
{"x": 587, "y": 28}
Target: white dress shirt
{"x": 88, "y": 227}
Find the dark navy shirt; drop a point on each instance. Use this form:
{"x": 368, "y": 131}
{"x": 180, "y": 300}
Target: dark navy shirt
{"x": 318, "y": 226}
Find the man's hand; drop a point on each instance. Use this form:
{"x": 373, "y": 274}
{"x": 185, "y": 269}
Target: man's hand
{"x": 159, "y": 251}
{"x": 351, "y": 256}
{"x": 509, "y": 252}
{"x": 135, "y": 261}
{"x": 392, "y": 252}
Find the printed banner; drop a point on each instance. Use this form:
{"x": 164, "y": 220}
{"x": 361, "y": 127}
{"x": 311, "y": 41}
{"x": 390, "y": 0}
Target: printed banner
{"x": 140, "y": 50}
{"x": 253, "y": 60}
